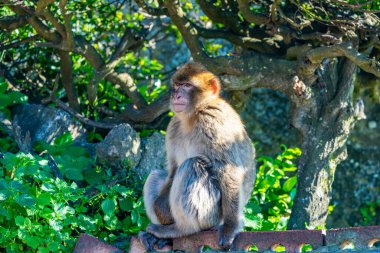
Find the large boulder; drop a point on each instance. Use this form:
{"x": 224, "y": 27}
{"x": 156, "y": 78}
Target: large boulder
{"x": 120, "y": 148}
{"x": 42, "y": 123}
{"x": 153, "y": 155}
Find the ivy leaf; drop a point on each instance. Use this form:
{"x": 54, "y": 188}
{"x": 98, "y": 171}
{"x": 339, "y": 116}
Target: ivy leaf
{"x": 109, "y": 206}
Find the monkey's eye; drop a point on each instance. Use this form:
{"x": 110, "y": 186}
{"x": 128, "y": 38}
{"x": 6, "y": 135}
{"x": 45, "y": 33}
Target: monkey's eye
{"x": 187, "y": 85}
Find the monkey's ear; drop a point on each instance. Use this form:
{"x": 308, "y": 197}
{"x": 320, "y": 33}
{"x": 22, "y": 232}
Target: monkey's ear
{"x": 214, "y": 85}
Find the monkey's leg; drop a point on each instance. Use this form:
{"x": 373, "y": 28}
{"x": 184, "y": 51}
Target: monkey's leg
{"x": 156, "y": 198}
{"x": 194, "y": 200}
{"x": 232, "y": 205}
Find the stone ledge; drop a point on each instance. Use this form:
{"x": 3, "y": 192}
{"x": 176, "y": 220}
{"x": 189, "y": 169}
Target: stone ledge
{"x": 335, "y": 240}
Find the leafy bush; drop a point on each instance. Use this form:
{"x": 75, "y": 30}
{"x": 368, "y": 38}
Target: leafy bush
{"x": 272, "y": 198}
{"x": 34, "y": 205}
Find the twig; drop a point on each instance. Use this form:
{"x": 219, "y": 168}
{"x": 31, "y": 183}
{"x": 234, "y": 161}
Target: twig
{"x": 14, "y": 44}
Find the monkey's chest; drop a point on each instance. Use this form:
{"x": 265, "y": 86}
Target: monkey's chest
{"x": 187, "y": 148}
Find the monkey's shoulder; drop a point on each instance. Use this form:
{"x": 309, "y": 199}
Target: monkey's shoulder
{"x": 218, "y": 114}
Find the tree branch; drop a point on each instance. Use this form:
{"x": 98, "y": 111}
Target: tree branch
{"x": 257, "y": 19}
{"x": 315, "y": 57}
{"x": 149, "y": 113}
{"x": 225, "y": 17}
{"x": 246, "y": 42}
{"x": 261, "y": 71}
{"x": 18, "y": 43}
{"x": 83, "y": 47}
{"x": 40, "y": 28}
{"x": 151, "y": 10}
{"x": 11, "y": 23}
{"x": 67, "y": 79}
{"x": 189, "y": 32}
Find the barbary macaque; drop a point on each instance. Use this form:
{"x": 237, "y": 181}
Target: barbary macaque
{"x": 211, "y": 163}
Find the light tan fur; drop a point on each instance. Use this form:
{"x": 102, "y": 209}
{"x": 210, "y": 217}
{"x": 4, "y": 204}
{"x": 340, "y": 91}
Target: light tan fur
{"x": 211, "y": 164}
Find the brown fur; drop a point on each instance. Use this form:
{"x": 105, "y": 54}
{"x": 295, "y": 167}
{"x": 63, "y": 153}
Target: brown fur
{"x": 210, "y": 163}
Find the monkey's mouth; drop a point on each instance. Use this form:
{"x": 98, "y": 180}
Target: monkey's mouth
{"x": 179, "y": 107}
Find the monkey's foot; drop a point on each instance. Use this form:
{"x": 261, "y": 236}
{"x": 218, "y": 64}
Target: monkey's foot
{"x": 150, "y": 241}
{"x": 226, "y": 237}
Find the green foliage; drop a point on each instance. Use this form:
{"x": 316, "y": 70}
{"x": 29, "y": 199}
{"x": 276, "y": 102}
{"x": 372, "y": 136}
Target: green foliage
{"x": 34, "y": 205}
{"x": 72, "y": 160}
{"x": 370, "y": 211}
{"x": 9, "y": 98}
{"x": 272, "y": 198}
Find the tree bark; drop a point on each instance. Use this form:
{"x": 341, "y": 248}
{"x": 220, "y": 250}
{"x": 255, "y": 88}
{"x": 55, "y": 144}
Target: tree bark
{"x": 67, "y": 79}
{"x": 325, "y": 121}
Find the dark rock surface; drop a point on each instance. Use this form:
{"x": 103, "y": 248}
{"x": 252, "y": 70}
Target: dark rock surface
{"x": 46, "y": 123}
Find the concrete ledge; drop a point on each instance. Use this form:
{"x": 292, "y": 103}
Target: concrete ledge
{"x": 359, "y": 239}
{"x": 90, "y": 244}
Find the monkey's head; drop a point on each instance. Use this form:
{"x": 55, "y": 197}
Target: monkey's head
{"x": 192, "y": 85}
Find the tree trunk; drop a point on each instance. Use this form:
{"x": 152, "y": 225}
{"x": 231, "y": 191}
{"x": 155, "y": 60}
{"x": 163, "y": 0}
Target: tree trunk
{"x": 324, "y": 120}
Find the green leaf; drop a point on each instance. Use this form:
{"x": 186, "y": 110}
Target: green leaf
{"x": 289, "y": 184}
{"x": 252, "y": 208}
{"x": 252, "y": 222}
{"x": 3, "y": 87}
{"x": 63, "y": 139}
{"x": 19, "y": 220}
{"x": 17, "y": 97}
{"x": 3, "y": 195}
{"x": 33, "y": 241}
{"x": 126, "y": 204}
{"x": 48, "y": 187}
{"x": 25, "y": 200}
{"x": 4, "y": 101}
{"x": 109, "y": 206}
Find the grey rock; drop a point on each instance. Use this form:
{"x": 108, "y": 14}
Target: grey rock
{"x": 45, "y": 123}
{"x": 153, "y": 155}
{"x": 121, "y": 147}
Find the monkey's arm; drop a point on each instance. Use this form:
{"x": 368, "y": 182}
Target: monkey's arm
{"x": 161, "y": 204}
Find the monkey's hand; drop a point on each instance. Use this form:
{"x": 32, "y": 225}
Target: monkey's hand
{"x": 226, "y": 236}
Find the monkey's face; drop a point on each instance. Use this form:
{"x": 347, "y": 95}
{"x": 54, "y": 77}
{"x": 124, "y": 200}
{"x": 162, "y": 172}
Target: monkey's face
{"x": 181, "y": 96}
